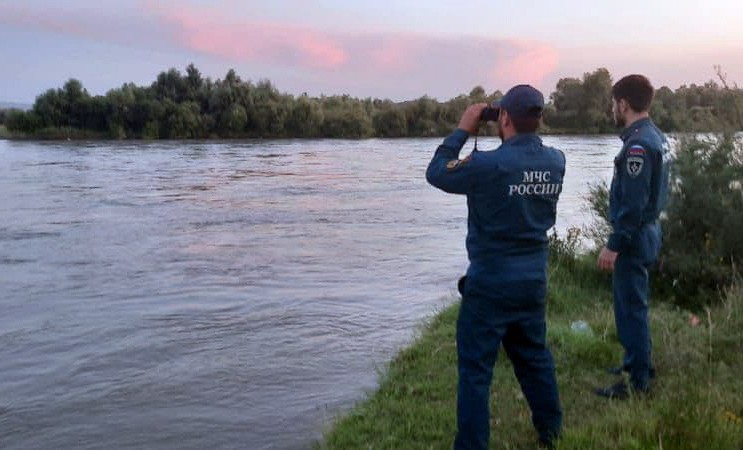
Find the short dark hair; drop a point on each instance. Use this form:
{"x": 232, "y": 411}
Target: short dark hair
{"x": 525, "y": 124}
{"x": 636, "y": 90}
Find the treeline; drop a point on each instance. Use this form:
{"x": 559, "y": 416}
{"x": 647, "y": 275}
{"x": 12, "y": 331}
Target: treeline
{"x": 188, "y": 105}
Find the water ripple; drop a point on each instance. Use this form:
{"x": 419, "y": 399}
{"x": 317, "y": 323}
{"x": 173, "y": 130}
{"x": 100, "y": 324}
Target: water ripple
{"x": 207, "y": 295}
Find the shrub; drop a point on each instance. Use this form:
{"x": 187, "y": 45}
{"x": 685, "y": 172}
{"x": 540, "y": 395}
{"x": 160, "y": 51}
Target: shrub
{"x": 704, "y": 218}
{"x": 564, "y": 250}
{"x": 598, "y": 203}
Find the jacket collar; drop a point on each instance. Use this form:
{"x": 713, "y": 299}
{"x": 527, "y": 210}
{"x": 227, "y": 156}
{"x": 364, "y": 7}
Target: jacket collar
{"x": 523, "y": 138}
{"x": 635, "y": 127}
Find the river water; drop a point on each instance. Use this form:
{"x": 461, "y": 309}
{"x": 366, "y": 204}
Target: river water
{"x": 191, "y": 295}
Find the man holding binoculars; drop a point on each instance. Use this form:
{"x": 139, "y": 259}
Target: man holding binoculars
{"x": 512, "y": 195}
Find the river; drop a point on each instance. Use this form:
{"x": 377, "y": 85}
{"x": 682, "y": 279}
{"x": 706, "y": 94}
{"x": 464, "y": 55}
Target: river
{"x": 191, "y": 295}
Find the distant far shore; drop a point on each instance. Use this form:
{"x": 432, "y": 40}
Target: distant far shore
{"x": 87, "y": 135}
{"x": 185, "y": 106}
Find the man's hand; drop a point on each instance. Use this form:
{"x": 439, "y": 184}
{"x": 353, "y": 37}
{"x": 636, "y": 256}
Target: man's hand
{"x": 607, "y": 259}
{"x": 470, "y": 120}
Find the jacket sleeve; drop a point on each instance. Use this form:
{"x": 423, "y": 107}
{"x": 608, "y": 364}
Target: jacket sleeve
{"x": 446, "y": 171}
{"x": 634, "y": 170}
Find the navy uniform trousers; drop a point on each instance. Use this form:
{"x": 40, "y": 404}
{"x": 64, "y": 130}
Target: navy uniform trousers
{"x": 481, "y": 328}
{"x": 631, "y": 286}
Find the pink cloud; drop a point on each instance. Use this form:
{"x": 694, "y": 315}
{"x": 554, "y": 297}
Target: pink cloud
{"x": 395, "y": 54}
{"x": 304, "y": 58}
{"x": 207, "y": 33}
{"x": 316, "y": 60}
{"x": 413, "y": 60}
{"x": 529, "y": 63}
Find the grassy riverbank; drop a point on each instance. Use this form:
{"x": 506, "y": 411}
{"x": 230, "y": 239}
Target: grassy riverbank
{"x": 4, "y": 134}
{"x": 697, "y": 399}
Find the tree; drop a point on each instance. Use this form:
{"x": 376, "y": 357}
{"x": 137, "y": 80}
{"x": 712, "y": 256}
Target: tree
{"x": 583, "y": 105}
{"x": 190, "y": 105}
{"x": 566, "y": 100}
{"x": 22, "y": 122}
{"x": 596, "y": 101}
{"x": 731, "y": 104}
{"x": 305, "y": 118}
{"x": 48, "y": 107}
{"x": 171, "y": 86}
{"x": 232, "y": 122}
{"x": 422, "y": 116}
{"x": 568, "y": 95}
{"x": 182, "y": 121}
{"x": 194, "y": 82}
{"x": 390, "y": 122}
{"x": 477, "y": 95}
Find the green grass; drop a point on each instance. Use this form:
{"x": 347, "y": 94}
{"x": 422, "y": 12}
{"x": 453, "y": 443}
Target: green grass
{"x": 696, "y": 402}
{"x": 4, "y": 132}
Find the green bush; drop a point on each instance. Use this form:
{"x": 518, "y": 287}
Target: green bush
{"x": 704, "y": 218}
{"x": 564, "y": 250}
{"x": 598, "y": 203}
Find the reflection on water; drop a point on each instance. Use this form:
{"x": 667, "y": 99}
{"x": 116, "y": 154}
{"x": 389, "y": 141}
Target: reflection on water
{"x": 220, "y": 295}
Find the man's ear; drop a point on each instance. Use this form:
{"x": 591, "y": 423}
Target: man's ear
{"x": 623, "y": 105}
{"x": 505, "y": 118}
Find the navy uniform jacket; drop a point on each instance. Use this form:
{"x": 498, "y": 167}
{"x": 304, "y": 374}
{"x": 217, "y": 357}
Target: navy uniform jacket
{"x": 512, "y": 197}
{"x": 639, "y": 190}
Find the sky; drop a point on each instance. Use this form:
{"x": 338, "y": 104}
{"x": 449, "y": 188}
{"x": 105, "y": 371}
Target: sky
{"x": 400, "y": 50}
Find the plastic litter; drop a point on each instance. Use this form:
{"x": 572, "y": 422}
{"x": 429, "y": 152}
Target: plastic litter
{"x": 581, "y": 327}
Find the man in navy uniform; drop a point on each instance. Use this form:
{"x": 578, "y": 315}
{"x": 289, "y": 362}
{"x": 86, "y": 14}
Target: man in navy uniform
{"x": 638, "y": 194}
{"x": 512, "y": 195}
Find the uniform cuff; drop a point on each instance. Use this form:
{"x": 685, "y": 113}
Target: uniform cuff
{"x": 615, "y": 243}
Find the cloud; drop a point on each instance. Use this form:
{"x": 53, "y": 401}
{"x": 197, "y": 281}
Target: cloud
{"x": 528, "y": 62}
{"x": 318, "y": 59}
{"x": 213, "y": 35}
{"x": 414, "y": 62}
{"x": 303, "y": 58}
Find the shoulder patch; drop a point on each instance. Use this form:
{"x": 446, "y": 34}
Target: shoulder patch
{"x": 635, "y": 164}
{"x": 455, "y": 164}
{"x": 636, "y": 150}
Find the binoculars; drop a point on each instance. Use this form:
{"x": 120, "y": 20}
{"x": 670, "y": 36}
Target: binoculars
{"x": 490, "y": 114}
